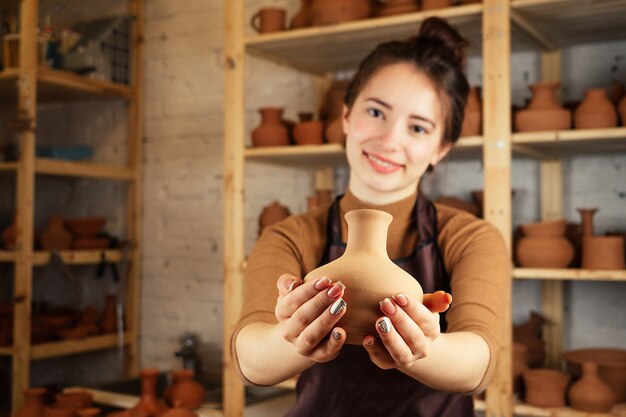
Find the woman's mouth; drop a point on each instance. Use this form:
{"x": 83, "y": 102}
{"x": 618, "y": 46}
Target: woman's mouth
{"x": 381, "y": 164}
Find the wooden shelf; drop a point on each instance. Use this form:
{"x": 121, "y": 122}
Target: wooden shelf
{"x": 57, "y": 85}
{"x": 70, "y": 347}
{"x": 306, "y": 156}
{"x": 569, "y": 274}
{"x": 569, "y": 142}
{"x": 558, "y": 24}
{"x": 45, "y": 166}
{"x": 6, "y": 350}
{"x": 519, "y": 408}
{"x": 71, "y": 257}
{"x": 7, "y": 256}
{"x": 342, "y": 46}
{"x": 8, "y": 166}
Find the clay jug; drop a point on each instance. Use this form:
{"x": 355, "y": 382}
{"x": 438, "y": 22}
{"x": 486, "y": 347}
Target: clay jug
{"x": 591, "y": 393}
{"x": 394, "y": 7}
{"x": 603, "y": 252}
{"x": 622, "y": 111}
{"x": 587, "y": 220}
{"x": 108, "y": 324}
{"x": 185, "y": 391}
{"x": 268, "y": 20}
{"x": 33, "y": 403}
{"x": 435, "y": 4}
{"x": 56, "y": 237}
{"x": 529, "y": 334}
{"x": 472, "y": 122}
{"x": 361, "y": 267}
{"x": 272, "y": 131}
{"x": 545, "y": 387}
{"x": 271, "y": 214}
{"x": 328, "y": 12}
{"x": 303, "y": 17}
{"x": 9, "y": 234}
{"x": 149, "y": 404}
{"x": 596, "y": 111}
{"x": 544, "y": 112}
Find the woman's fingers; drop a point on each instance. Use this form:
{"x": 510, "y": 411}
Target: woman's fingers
{"x": 437, "y": 302}
{"x": 300, "y": 293}
{"x": 321, "y": 340}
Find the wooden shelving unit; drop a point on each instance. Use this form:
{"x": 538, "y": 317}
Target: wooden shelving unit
{"x": 495, "y": 28}
{"x": 25, "y": 87}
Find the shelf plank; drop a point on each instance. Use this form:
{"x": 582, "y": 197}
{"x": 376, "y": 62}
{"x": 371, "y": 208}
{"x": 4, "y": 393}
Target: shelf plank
{"x": 46, "y": 166}
{"x": 71, "y": 347}
{"x": 342, "y": 46}
{"x": 58, "y": 85}
{"x": 8, "y": 166}
{"x": 301, "y": 156}
{"x": 569, "y": 274}
{"x": 575, "y": 141}
{"x": 6, "y": 351}
{"x": 522, "y": 409}
{"x": 7, "y": 256}
{"x": 79, "y": 257}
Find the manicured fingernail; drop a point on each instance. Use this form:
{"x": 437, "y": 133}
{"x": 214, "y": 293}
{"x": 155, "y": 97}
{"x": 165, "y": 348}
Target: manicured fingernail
{"x": 336, "y": 334}
{"x": 337, "y": 306}
{"x": 293, "y": 284}
{"x": 370, "y": 342}
{"x": 387, "y": 306}
{"x": 384, "y": 324}
{"x": 335, "y": 290}
{"x": 401, "y": 299}
{"x": 322, "y": 283}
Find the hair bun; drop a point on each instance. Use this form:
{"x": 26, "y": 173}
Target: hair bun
{"x": 439, "y": 30}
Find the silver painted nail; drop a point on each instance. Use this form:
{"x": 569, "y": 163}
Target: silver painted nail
{"x": 337, "y": 306}
{"x": 385, "y": 325}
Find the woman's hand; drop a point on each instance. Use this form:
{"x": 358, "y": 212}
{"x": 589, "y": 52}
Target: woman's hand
{"x": 407, "y": 330}
{"x": 307, "y": 313}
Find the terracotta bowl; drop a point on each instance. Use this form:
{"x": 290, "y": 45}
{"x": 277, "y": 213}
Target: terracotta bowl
{"x": 545, "y": 387}
{"x": 82, "y": 227}
{"x": 552, "y": 228}
{"x": 611, "y": 367}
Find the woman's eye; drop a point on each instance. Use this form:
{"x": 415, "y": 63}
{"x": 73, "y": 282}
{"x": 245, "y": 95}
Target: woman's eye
{"x": 375, "y": 112}
{"x": 418, "y": 129}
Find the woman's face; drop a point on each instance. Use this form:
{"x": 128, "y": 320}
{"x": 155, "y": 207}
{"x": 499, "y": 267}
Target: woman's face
{"x": 394, "y": 132}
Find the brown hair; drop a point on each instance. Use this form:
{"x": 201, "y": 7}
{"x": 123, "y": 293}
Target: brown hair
{"x": 437, "y": 51}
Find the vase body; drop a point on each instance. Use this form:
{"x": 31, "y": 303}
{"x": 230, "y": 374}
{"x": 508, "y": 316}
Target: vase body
{"x": 309, "y": 132}
{"x": 33, "y": 403}
{"x": 367, "y": 272}
{"x": 327, "y": 12}
{"x": 544, "y": 245}
{"x": 596, "y": 111}
{"x": 185, "y": 391}
{"x": 272, "y": 131}
{"x": 56, "y": 237}
{"x": 149, "y": 404}
{"x": 591, "y": 393}
{"x": 545, "y": 387}
{"x": 109, "y": 316}
{"x": 611, "y": 367}
{"x": 303, "y": 17}
{"x": 603, "y": 252}
{"x": 472, "y": 122}
{"x": 544, "y": 112}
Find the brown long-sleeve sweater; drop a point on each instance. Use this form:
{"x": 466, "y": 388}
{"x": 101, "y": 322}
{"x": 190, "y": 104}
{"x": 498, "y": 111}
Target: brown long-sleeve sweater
{"x": 474, "y": 253}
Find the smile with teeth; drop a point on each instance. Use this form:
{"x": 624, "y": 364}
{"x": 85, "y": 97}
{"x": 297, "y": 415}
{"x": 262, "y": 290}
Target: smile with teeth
{"x": 382, "y": 165}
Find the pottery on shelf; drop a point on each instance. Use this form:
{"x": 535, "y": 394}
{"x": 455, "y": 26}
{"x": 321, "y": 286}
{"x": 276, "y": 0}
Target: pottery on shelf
{"x": 108, "y": 323}
{"x": 519, "y": 365}
{"x": 269, "y": 19}
{"x": 303, "y": 17}
{"x": 529, "y": 334}
{"x": 327, "y": 12}
{"x": 595, "y": 111}
{"x": 179, "y": 411}
{"x": 472, "y": 121}
{"x": 185, "y": 390}
{"x": 587, "y": 220}
{"x": 603, "y": 252}
{"x": 79, "y": 399}
{"x": 82, "y": 227}
{"x": 621, "y": 109}
{"x": 149, "y": 405}
{"x": 271, "y": 214}
{"x": 544, "y": 245}
{"x": 364, "y": 261}
{"x": 591, "y": 393}
{"x": 544, "y": 112}
{"x": 272, "y": 131}
{"x": 435, "y": 4}
{"x": 89, "y": 412}
{"x": 33, "y": 403}
{"x": 308, "y": 131}
{"x": 59, "y": 410}
{"x": 545, "y": 387}
{"x": 394, "y": 7}
{"x": 611, "y": 367}
{"x": 9, "y": 235}
{"x": 56, "y": 236}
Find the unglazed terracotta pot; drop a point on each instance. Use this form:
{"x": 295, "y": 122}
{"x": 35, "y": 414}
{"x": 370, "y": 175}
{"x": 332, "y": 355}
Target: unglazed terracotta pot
{"x": 33, "y": 403}
{"x": 56, "y": 237}
{"x": 529, "y": 334}
{"x": 89, "y": 412}
{"x": 149, "y": 405}
{"x": 603, "y": 252}
{"x": 57, "y": 410}
{"x": 82, "y": 398}
{"x": 269, "y": 19}
{"x": 436, "y": 4}
{"x": 621, "y": 109}
{"x": 185, "y": 391}
{"x": 544, "y": 252}
{"x": 611, "y": 367}
{"x": 272, "y": 131}
{"x": 303, "y": 17}
{"x": 545, "y": 387}
{"x": 271, "y": 214}
{"x": 596, "y": 111}
{"x": 179, "y": 411}
{"x": 550, "y": 228}
{"x": 309, "y": 133}
{"x": 587, "y": 220}
{"x": 361, "y": 267}
{"x": 108, "y": 324}
{"x": 394, "y": 7}
{"x": 544, "y": 112}
{"x": 328, "y": 12}
{"x": 473, "y": 120}
{"x": 591, "y": 393}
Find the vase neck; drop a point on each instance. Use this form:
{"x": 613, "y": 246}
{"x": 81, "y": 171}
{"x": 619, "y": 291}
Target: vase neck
{"x": 367, "y": 231}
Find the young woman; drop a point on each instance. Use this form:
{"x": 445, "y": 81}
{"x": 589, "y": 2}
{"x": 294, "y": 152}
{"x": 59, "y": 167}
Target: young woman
{"x": 403, "y": 112}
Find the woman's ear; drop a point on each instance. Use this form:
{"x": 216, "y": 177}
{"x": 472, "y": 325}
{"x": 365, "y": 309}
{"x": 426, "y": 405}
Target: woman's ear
{"x": 444, "y": 148}
{"x": 345, "y": 114}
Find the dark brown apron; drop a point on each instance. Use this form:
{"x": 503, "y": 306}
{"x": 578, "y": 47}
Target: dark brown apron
{"x": 351, "y": 385}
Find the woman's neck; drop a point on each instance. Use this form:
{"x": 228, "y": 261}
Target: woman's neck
{"x": 369, "y": 196}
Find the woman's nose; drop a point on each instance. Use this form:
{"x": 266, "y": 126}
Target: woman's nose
{"x": 390, "y": 135}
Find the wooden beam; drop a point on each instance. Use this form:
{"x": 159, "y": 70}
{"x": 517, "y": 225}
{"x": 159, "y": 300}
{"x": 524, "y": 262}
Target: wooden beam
{"x": 47, "y": 166}
{"x": 72, "y": 347}
{"x": 532, "y": 33}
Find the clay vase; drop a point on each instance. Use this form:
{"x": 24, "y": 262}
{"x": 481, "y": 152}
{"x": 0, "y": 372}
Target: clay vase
{"x": 587, "y": 220}
{"x": 328, "y": 12}
{"x": 303, "y": 17}
{"x": 435, "y": 4}
{"x": 108, "y": 324}
{"x": 591, "y": 393}
{"x": 621, "y": 109}
{"x": 272, "y": 131}
{"x": 595, "y": 111}
{"x": 611, "y": 367}
{"x": 78, "y": 399}
{"x": 179, "y": 411}
{"x": 544, "y": 245}
{"x": 56, "y": 237}
{"x": 544, "y": 112}
{"x": 9, "y": 235}
{"x": 529, "y": 334}
{"x": 545, "y": 387}
{"x": 603, "y": 252}
{"x": 394, "y": 7}
{"x": 33, "y": 403}
{"x": 308, "y": 131}
{"x": 268, "y": 20}
{"x": 149, "y": 404}
{"x": 519, "y": 366}
{"x": 472, "y": 122}
{"x": 271, "y": 214}
{"x": 360, "y": 268}
{"x": 184, "y": 391}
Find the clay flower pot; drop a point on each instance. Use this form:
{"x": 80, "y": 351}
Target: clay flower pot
{"x": 621, "y": 109}
{"x": 611, "y": 367}
{"x": 545, "y": 387}
{"x": 272, "y": 131}
{"x": 544, "y": 252}
{"x": 328, "y": 12}
{"x": 269, "y": 19}
{"x": 271, "y": 214}
{"x": 303, "y": 17}
{"x": 89, "y": 412}
{"x": 309, "y": 132}
{"x": 360, "y": 268}
{"x": 56, "y": 237}
{"x": 184, "y": 391}
{"x": 149, "y": 404}
{"x": 591, "y": 393}
{"x": 435, "y": 4}
{"x": 472, "y": 122}
{"x": 603, "y": 252}
{"x": 544, "y": 112}
{"x": 596, "y": 111}
{"x": 394, "y": 7}
{"x": 33, "y": 403}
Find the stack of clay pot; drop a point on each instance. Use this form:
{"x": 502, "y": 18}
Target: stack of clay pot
{"x": 544, "y": 112}
{"x": 473, "y": 121}
{"x": 272, "y": 131}
{"x": 596, "y": 111}
{"x": 328, "y": 12}
{"x": 544, "y": 245}
{"x": 599, "y": 252}
{"x": 308, "y": 131}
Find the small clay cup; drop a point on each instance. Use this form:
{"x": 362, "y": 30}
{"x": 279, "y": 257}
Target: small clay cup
{"x": 269, "y": 19}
